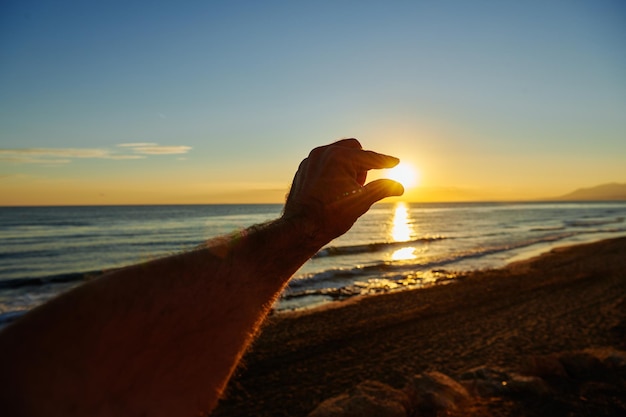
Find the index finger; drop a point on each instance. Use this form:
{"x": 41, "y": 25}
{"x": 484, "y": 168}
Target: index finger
{"x": 366, "y": 160}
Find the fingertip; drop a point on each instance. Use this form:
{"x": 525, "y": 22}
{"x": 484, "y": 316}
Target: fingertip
{"x": 385, "y": 188}
{"x": 396, "y": 189}
{"x": 389, "y": 161}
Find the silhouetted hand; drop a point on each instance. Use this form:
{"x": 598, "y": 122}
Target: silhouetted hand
{"x": 329, "y": 192}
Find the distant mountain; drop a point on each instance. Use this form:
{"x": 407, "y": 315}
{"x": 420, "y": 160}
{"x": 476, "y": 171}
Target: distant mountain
{"x": 602, "y": 192}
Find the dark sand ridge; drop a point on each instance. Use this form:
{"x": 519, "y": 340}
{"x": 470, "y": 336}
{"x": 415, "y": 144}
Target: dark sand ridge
{"x": 569, "y": 299}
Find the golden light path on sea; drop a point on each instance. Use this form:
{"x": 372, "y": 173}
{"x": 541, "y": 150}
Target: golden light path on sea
{"x": 402, "y": 231}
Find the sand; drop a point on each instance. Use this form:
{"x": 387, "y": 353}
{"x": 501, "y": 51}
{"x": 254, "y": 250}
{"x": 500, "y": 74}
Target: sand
{"x": 570, "y": 299}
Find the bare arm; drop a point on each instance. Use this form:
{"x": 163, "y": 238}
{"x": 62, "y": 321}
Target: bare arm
{"x": 163, "y": 338}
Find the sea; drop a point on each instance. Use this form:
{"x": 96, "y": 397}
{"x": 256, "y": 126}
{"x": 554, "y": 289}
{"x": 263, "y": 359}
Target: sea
{"x": 45, "y": 251}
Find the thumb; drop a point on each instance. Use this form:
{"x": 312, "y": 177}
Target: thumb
{"x": 379, "y": 189}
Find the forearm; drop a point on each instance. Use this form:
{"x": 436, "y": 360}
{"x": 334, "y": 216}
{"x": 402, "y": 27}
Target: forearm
{"x": 161, "y": 337}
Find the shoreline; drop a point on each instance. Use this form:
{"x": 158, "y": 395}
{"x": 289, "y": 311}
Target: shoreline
{"x": 571, "y": 298}
{"x": 449, "y": 277}
{"x": 439, "y": 276}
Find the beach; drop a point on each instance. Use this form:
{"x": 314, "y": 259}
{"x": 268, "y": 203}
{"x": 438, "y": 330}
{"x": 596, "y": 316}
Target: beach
{"x": 571, "y": 299}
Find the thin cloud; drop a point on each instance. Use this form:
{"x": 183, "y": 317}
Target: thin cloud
{"x": 57, "y": 156}
{"x": 163, "y": 150}
{"x": 57, "y": 153}
{"x": 29, "y": 160}
{"x": 123, "y": 156}
{"x": 48, "y": 156}
{"x": 155, "y": 149}
{"x": 135, "y": 145}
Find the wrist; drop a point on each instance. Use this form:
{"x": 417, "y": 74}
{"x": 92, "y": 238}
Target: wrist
{"x": 304, "y": 231}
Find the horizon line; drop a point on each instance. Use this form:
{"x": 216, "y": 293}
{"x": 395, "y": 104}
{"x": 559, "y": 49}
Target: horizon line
{"x": 486, "y": 201}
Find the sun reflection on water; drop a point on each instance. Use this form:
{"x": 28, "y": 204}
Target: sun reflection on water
{"x": 401, "y": 231}
{"x": 401, "y": 228}
{"x": 404, "y": 254}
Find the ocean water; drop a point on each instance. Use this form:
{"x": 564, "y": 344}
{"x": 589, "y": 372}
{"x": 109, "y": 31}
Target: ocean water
{"x": 47, "y": 250}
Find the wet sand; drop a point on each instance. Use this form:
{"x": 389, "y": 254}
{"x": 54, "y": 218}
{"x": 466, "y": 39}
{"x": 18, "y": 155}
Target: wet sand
{"x": 569, "y": 299}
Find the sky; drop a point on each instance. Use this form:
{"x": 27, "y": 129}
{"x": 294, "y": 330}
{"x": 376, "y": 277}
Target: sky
{"x": 149, "y": 102}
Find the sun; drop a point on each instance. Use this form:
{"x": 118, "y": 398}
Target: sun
{"x": 405, "y": 173}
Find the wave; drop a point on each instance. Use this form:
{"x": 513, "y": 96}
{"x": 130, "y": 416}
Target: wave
{"x": 547, "y": 229}
{"x": 388, "y": 276}
{"x": 342, "y": 280}
{"x": 8, "y": 317}
{"x": 43, "y": 253}
{"x": 593, "y": 222}
{"x": 52, "y": 279}
{"x": 47, "y": 223}
{"x": 370, "y": 247}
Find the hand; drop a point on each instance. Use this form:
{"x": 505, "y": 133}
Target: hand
{"x": 329, "y": 192}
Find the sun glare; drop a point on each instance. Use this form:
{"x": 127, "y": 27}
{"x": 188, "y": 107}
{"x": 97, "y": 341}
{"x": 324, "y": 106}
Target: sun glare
{"x": 405, "y": 173}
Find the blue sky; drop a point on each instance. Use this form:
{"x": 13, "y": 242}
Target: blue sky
{"x": 219, "y": 101}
